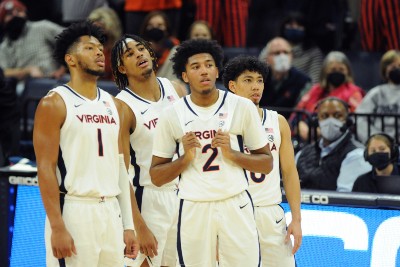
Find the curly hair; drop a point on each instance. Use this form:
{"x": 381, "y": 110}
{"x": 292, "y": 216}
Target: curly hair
{"x": 70, "y": 36}
{"x": 117, "y": 54}
{"x": 193, "y": 47}
{"x": 236, "y": 66}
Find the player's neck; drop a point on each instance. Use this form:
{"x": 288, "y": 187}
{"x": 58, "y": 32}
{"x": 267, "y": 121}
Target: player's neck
{"x": 260, "y": 111}
{"x": 85, "y": 86}
{"x": 205, "y": 100}
{"x": 146, "y": 88}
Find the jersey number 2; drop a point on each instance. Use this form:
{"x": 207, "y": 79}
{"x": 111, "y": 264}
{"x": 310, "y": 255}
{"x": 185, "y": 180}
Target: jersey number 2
{"x": 207, "y": 166}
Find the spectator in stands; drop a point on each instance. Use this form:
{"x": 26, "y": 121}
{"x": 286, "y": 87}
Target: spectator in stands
{"x": 26, "y": 50}
{"x": 137, "y": 10}
{"x": 382, "y": 99}
{"x": 383, "y": 154}
{"x": 107, "y": 19}
{"x": 336, "y": 80}
{"x": 197, "y": 30}
{"x": 336, "y": 160}
{"x": 10, "y": 132}
{"x": 307, "y": 57}
{"x": 286, "y": 82}
{"x": 156, "y": 30}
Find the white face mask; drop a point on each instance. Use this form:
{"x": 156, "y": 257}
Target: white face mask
{"x": 281, "y": 63}
{"x": 331, "y": 129}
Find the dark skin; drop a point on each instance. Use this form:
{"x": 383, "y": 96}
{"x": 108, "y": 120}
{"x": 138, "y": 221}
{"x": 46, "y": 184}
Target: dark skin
{"x": 49, "y": 118}
{"x": 137, "y": 65}
{"x": 201, "y": 74}
{"x": 332, "y": 109}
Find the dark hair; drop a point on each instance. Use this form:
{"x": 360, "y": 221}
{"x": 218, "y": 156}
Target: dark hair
{"x": 117, "y": 53}
{"x": 193, "y": 47}
{"x": 330, "y": 99}
{"x": 297, "y": 17}
{"x": 70, "y": 36}
{"x": 388, "y": 140}
{"x": 149, "y": 16}
{"x": 236, "y": 66}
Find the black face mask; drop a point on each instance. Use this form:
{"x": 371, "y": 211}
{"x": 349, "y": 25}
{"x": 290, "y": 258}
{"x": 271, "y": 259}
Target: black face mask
{"x": 379, "y": 160}
{"x": 336, "y": 78}
{"x": 294, "y": 36}
{"x": 154, "y": 35}
{"x": 14, "y": 27}
{"x": 394, "y": 75}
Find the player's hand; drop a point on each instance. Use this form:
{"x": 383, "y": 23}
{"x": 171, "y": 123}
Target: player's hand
{"x": 35, "y": 72}
{"x": 148, "y": 243}
{"x": 190, "y": 142}
{"x": 294, "y": 229}
{"x": 62, "y": 243}
{"x": 223, "y": 141}
{"x": 131, "y": 244}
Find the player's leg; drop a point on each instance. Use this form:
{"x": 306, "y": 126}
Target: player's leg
{"x": 157, "y": 208}
{"x": 271, "y": 223}
{"x": 112, "y": 241}
{"x": 196, "y": 239}
{"x": 237, "y": 233}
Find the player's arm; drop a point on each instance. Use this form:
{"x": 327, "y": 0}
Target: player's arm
{"x": 124, "y": 198}
{"x": 164, "y": 170}
{"x": 147, "y": 241}
{"x": 259, "y": 161}
{"x": 291, "y": 182}
{"x": 49, "y": 118}
{"x": 179, "y": 88}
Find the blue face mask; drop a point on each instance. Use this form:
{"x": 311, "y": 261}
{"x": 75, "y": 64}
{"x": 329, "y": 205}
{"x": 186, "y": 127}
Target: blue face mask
{"x": 294, "y": 36}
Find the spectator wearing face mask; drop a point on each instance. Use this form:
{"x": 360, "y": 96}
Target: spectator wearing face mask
{"x": 156, "y": 30}
{"x": 336, "y": 80}
{"x": 27, "y": 47}
{"x": 336, "y": 160}
{"x": 286, "y": 83}
{"x": 383, "y": 154}
{"x": 384, "y": 98}
{"x": 307, "y": 57}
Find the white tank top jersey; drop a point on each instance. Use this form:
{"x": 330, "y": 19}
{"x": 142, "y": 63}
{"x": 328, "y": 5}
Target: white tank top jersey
{"x": 210, "y": 177}
{"x": 147, "y": 114}
{"x": 88, "y": 158}
{"x": 265, "y": 190}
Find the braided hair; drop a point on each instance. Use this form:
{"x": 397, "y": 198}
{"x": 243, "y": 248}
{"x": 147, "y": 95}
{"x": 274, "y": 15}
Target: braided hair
{"x": 117, "y": 54}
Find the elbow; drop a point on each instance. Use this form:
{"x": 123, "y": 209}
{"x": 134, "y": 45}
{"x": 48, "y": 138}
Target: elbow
{"x": 155, "y": 179}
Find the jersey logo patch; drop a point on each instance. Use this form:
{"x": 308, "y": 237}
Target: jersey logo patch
{"x": 78, "y": 105}
{"x": 278, "y": 221}
{"x": 142, "y": 112}
{"x": 243, "y": 206}
{"x": 188, "y": 122}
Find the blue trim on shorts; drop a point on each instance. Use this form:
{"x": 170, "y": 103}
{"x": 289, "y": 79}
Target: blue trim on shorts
{"x": 259, "y": 245}
{"x": 178, "y": 243}
{"x": 62, "y": 262}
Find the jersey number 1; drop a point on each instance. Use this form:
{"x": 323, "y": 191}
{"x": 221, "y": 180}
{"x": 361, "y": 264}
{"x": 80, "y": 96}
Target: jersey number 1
{"x": 100, "y": 142}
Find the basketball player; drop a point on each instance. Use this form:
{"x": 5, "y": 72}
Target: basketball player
{"x": 245, "y": 76}
{"x": 83, "y": 181}
{"x": 209, "y": 126}
{"x": 145, "y": 96}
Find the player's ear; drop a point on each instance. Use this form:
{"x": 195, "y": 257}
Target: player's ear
{"x": 69, "y": 59}
{"x": 184, "y": 77}
{"x": 232, "y": 86}
{"x": 122, "y": 69}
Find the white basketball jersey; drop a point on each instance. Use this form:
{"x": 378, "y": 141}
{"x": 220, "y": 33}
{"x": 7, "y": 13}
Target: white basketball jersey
{"x": 147, "y": 114}
{"x": 266, "y": 189}
{"x": 88, "y": 158}
{"x": 210, "y": 176}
